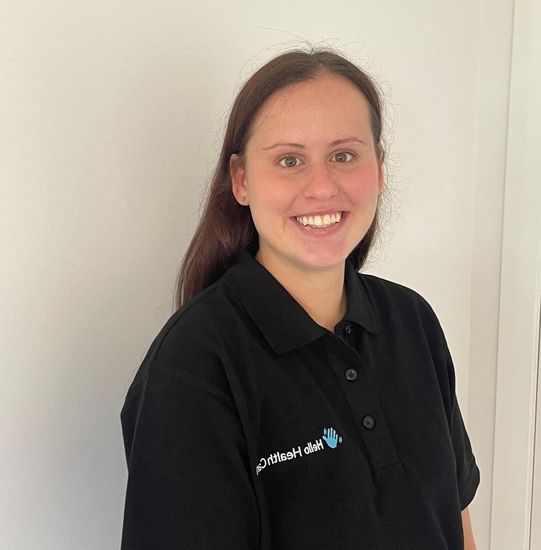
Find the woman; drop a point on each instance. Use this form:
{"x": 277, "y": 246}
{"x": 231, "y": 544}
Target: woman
{"x": 291, "y": 402}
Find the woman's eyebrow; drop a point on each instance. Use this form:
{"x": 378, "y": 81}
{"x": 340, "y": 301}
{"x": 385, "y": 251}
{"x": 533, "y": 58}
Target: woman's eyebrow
{"x": 301, "y": 146}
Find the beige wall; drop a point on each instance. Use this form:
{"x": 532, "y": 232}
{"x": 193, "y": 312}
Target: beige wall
{"x": 111, "y": 114}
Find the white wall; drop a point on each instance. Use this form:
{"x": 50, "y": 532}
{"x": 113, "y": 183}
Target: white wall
{"x": 111, "y": 116}
{"x": 516, "y": 506}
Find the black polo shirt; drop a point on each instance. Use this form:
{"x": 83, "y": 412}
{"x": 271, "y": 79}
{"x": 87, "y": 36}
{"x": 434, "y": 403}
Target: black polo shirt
{"x": 249, "y": 426}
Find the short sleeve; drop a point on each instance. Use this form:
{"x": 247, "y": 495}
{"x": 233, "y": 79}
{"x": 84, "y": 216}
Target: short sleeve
{"x": 467, "y": 471}
{"x": 188, "y": 480}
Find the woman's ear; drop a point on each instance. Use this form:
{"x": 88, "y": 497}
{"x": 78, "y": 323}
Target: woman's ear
{"x": 381, "y": 176}
{"x": 238, "y": 179}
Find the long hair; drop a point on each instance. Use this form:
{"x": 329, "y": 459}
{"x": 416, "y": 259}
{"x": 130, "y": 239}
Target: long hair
{"x": 225, "y": 226}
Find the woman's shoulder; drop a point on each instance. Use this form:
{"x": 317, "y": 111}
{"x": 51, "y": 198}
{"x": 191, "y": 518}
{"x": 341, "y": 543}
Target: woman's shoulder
{"x": 192, "y": 335}
{"x": 391, "y": 290}
{"x": 393, "y": 299}
{"x": 198, "y": 324}
{"x": 183, "y": 365}
{"x": 407, "y": 317}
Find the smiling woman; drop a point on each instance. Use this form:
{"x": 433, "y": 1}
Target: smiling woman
{"x": 324, "y": 178}
{"x": 291, "y": 401}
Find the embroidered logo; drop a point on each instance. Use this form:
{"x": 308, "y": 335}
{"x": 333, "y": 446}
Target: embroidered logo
{"x": 331, "y": 438}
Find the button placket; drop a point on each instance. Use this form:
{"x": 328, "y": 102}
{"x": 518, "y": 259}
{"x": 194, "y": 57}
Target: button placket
{"x": 364, "y": 403}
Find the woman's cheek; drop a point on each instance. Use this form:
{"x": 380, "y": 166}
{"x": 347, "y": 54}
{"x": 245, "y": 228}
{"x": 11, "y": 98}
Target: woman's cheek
{"x": 364, "y": 187}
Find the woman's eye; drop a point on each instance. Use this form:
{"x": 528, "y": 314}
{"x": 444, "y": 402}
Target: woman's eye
{"x": 343, "y": 156}
{"x": 289, "y": 161}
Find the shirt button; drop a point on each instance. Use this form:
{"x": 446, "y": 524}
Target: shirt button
{"x": 347, "y": 329}
{"x": 351, "y": 374}
{"x": 368, "y": 422}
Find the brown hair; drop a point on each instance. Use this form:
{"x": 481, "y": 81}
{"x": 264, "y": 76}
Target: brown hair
{"x": 225, "y": 226}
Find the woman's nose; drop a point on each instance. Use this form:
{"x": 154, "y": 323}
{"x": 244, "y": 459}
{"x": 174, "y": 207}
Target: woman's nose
{"x": 320, "y": 182}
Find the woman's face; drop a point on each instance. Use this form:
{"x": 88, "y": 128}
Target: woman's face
{"x": 311, "y": 152}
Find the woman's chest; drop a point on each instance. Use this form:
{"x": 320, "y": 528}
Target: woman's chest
{"x": 342, "y": 441}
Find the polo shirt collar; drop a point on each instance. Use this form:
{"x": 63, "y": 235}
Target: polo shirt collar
{"x": 282, "y": 320}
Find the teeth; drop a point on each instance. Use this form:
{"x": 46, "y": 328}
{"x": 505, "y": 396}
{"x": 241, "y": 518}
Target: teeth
{"x": 320, "y": 221}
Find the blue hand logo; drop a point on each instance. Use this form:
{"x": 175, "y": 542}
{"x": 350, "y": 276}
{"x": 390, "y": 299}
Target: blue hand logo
{"x": 331, "y": 437}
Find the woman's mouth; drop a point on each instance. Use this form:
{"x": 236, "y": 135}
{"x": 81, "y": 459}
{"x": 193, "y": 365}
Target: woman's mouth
{"x": 320, "y": 225}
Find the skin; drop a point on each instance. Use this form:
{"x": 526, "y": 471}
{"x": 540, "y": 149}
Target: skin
{"x": 469, "y": 542}
{"x": 286, "y": 181}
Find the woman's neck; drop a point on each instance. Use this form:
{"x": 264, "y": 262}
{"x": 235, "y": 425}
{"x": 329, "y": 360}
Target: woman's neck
{"x": 321, "y": 293}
